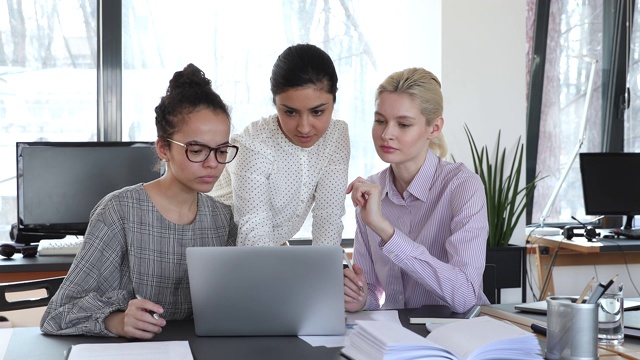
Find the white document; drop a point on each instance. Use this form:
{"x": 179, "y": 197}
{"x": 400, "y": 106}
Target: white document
{"x": 139, "y": 350}
{"x": 351, "y": 318}
{"x": 5, "y": 336}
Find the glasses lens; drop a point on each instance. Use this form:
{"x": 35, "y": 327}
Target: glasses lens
{"x": 226, "y": 154}
{"x": 197, "y": 153}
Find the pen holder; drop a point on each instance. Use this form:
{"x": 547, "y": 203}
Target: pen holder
{"x": 572, "y": 329}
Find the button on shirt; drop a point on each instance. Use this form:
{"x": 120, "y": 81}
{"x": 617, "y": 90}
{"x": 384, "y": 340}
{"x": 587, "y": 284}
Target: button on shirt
{"x": 273, "y": 184}
{"x": 437, "y": 253}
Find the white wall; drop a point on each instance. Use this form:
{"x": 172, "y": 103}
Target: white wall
{"x": 483, "y": 75}
{"x": 483, "y": 79}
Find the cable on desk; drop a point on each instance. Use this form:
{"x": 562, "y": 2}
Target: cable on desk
{"x": 529, "y": 278}
{"x": 626, "y": 264}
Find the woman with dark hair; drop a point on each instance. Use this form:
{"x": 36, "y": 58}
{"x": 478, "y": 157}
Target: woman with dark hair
{"x": 293, "y": 162}
{"x": 422, "y": 222}
{"x": 132, "y": 262}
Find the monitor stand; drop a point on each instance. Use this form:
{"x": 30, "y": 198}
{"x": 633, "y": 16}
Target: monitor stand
{"x": 20, "y": 237}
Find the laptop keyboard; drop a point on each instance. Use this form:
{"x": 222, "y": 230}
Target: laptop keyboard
{"x": 628, "y": 233}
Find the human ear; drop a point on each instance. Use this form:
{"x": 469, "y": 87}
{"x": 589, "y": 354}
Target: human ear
{"x": 162, "y": 150}
{"x": 436, "y": 127}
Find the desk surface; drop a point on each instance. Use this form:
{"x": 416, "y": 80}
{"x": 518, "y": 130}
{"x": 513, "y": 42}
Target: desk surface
{"x": 18, "y": 268}
{"x": 629, "y": 350}
{"x": 17, "y": 263}
{"x": 30, "y": 341}
{"x": 32, "y": 344}
{"x": 580, "y": 244}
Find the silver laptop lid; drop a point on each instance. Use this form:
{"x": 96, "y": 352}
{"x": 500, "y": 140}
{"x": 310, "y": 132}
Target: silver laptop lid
{"x": 279, "y": 290}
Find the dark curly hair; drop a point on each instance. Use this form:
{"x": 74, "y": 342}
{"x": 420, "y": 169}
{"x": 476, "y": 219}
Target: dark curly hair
{"x": 189, "y": 90}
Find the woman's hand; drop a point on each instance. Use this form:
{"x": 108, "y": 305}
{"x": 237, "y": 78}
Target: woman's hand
{"x": 368, "y": 197}
{"x": 355, "y": 289}
{"x": 137, "y": 321}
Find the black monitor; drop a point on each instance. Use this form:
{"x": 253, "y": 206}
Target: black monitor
{"x": 59, "y": 183}
{"x": 611, "y": 184}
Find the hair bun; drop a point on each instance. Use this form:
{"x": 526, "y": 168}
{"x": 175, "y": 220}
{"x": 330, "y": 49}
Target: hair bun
{"x": 189, "y": 78}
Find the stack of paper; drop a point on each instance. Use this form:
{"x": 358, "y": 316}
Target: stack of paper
{"x": 477, "y": 338}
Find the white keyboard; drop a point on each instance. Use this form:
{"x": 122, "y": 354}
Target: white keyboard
{"x": 59, "y": 246}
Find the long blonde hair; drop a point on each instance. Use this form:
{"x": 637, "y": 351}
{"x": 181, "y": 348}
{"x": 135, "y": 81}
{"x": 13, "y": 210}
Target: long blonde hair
{"x": 424, "y": 87}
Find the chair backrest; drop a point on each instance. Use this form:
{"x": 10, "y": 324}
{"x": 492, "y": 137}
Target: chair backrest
{"x": 51, "y": 285}
{"x": 489, "y": 283}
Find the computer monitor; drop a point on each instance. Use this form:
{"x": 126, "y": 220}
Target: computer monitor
{"x": 59, "y": 183}
{"x": 611, "y": 184}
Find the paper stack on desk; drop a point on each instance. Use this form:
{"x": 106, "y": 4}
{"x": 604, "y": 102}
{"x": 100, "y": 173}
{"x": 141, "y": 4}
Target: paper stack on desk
{"x": 481, "y": 337}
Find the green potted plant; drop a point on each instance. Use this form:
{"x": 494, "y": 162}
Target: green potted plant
{"x": 507, "y": 200}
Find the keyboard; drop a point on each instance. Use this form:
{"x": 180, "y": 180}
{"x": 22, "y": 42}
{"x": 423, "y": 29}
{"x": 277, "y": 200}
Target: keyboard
{"x": 628, "y": 233}
{"x": 59, "y": 246}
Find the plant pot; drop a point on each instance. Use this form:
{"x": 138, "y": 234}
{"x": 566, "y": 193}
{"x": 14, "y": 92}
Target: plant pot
{"x": 510, "y": 267}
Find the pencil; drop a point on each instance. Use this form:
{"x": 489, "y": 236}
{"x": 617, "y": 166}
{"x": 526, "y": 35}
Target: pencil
{"x": 585, "y": 291}
{"x": 600, "y": 289}
{"x": 348, "y": 261}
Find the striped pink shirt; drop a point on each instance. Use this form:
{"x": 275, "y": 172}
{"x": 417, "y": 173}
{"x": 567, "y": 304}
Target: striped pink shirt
{"x": 437, "y": 253}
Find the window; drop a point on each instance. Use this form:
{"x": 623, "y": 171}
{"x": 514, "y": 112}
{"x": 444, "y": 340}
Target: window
{"x": 47, "y": 82}
{"x": 575, "y": 38}
{"x": 160, "y": 38}
{"x": 48, "y": 65}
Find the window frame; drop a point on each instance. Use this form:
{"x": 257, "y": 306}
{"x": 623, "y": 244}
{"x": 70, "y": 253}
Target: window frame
{"x": 616, "y": 35}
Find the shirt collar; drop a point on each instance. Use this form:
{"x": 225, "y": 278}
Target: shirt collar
{"x": 420, "y": 185}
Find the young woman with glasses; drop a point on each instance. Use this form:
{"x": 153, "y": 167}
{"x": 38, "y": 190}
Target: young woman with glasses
{"x": 293, "y": 162}
{"x": 132, "y": 263}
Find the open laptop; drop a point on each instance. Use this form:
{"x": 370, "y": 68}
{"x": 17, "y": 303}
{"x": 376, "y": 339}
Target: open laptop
{"x": 276, "y": 290}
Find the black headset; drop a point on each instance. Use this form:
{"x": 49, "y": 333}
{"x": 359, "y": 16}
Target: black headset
{"x": 589, "y": 232}
{"x": 8, "y": 250}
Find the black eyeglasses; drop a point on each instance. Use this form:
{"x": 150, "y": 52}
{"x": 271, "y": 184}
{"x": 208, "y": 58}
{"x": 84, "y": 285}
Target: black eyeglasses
{"x": 198, "y": 153}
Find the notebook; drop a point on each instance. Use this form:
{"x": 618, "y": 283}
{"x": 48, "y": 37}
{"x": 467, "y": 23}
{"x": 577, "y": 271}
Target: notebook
{"x": 261, "y": 291}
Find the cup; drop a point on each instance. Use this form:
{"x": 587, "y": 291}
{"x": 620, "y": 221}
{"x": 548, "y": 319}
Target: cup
{"x": 611, "y": 316}
{"x": 572, "y": 329}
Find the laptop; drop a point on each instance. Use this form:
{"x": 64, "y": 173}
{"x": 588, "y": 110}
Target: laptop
{"x": 263, "y": 291}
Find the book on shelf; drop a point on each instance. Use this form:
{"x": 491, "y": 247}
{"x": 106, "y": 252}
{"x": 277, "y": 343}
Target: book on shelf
{"x": 477, "y": 338}
{"x": 631, "y": 320}
{"x": 439, "y": 314}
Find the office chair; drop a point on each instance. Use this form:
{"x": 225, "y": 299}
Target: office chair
{"x": 489, "y": 283}
{"x": 50, "y": 285}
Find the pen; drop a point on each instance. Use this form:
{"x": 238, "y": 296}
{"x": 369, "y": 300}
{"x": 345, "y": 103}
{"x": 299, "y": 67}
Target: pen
{"x": 539, "y": 329}
{"x": 154, "y": 314}
{"x": 600, "y": 289}
{"x": 346, "y": 259}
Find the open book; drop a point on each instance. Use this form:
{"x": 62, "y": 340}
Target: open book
{"x": 478, "y": 338}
